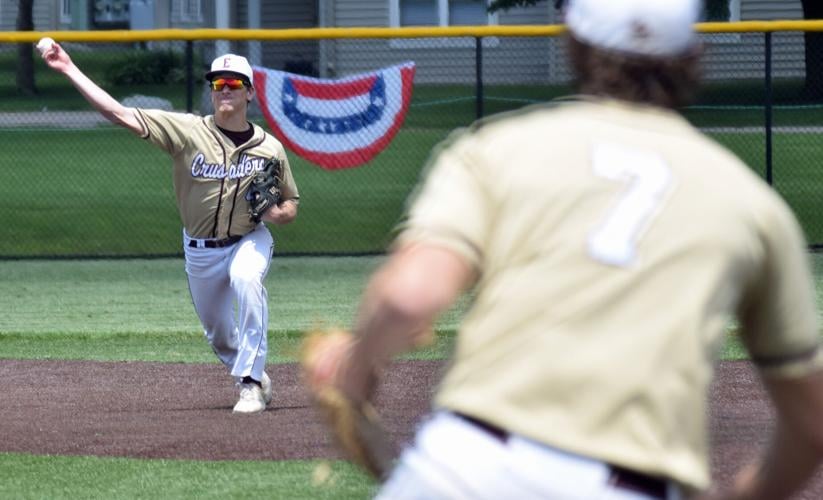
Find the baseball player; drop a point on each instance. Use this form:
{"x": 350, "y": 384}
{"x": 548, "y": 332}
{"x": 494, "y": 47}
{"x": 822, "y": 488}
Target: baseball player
{"x": 227, "y": 252}
{"x": 607, "y": 243}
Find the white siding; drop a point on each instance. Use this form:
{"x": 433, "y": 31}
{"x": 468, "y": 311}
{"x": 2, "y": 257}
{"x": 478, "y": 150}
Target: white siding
{"x": 6, "y": 19}
{"x": 286, "y": 14}
{"x": 348, "y": 13}
{"x": 742, "y": 56}
{"x": 762, "y": 10}
{"x": 437, "y": 61}
{"x": 542, "y": 13}
{"x": 536, "y": 60}
{"x": 746, "y": 58}
{"x": 346, "y": 57}
{"x": 44, "y": 15}
{"x": 274, "y": 14}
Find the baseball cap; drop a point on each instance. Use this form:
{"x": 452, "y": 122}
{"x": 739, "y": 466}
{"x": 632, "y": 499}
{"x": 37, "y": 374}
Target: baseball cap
{"x": 231, "y": 63}
{"x": 654, "y": 28}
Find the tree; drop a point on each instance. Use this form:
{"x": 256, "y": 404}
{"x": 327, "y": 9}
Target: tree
{"x": 25, "y": 51}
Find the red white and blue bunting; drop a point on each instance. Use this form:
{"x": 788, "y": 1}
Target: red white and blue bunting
{"x": 339, "y": 123}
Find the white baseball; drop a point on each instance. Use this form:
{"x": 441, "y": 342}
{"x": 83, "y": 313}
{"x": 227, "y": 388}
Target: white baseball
{"x": 44, "y": 45}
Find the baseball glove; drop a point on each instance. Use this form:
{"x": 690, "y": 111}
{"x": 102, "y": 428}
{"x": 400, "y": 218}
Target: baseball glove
{"x": 354, "y": 425}
{"x": 264, "y": 191}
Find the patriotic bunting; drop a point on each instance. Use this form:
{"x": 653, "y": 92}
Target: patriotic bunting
{"x": 340, "y": 123}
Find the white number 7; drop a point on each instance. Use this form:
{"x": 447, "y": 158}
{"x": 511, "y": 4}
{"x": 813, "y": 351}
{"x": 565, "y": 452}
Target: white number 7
{"x": 648, "y": 181}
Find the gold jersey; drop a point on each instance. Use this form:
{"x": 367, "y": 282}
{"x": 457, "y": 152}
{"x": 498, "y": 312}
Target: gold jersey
{"x": 211, "y": 174}
{"x": 614, "y": 243}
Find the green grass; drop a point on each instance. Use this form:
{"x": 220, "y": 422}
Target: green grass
{"x": 133, "y": 310}
{"x": 110, "y": 194}
{"x": 104, "y": 192}
{"x": 151, "y": 297}
{"x": 101, "y": 191}
{"x": 139, "y": 310}
{"x": 795, "y": 175}
{"x": 24, "y": 476}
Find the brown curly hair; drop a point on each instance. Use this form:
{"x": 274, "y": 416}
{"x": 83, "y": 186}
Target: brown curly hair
{"x": 669, "y": 82}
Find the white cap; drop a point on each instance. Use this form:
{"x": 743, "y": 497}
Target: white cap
{"x": 655, "y": 28}
{"x": 231, "y": 63}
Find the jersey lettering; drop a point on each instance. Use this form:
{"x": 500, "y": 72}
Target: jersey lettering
{"x": 647, "y": 179}
{"x": 243, "y": 168}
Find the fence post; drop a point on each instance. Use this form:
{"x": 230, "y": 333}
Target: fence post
{"x": 768, "y": 106}
{"x": 189, "y": 76}
{"x": 478, "y": 76}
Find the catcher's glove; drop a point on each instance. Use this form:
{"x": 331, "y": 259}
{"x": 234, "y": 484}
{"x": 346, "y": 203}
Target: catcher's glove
{"x": 264, "y": 191}
{"x": 355, "y": 425}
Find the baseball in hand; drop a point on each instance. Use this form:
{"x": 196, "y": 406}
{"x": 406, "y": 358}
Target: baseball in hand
{"x": 44, "y": 45}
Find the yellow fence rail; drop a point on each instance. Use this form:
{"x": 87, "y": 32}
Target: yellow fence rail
{"x": 368, "y": 32}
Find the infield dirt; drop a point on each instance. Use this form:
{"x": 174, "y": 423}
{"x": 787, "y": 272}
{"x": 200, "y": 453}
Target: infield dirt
{"x": 161, "y": 410}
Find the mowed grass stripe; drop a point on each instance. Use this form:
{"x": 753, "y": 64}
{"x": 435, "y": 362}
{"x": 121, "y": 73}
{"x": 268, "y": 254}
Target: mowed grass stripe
{"x": 24, "y": 476}
{"x": 133, "y": 310}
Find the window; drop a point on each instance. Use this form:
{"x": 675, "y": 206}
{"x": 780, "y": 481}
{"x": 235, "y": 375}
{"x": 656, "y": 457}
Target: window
{"x": 721, "y": 10}
{"x": 65, "y": 11}
{"x": 190, "y": 11}
{"x": 467, "y": 12}
{"x": 418, "y": 13}
{"x": 439, "y": 13}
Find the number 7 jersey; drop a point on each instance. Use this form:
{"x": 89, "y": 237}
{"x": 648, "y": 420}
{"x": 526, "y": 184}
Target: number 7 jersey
{"x": 613, "y": 244}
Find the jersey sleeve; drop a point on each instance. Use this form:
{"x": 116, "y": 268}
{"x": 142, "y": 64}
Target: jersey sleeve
{"x": 453, "y": 206}
{"x": 165, "y": 129}
{"x": 778, "y": 315}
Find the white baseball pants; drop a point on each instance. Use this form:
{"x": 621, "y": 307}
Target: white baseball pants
{"x": 227, "y": 291}
{"x": 453, "y": 459}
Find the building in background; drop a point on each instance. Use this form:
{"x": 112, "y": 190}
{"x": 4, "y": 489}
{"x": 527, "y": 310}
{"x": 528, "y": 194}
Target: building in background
{"x": 185, "y": 14}
{"x": 509, "y": 60}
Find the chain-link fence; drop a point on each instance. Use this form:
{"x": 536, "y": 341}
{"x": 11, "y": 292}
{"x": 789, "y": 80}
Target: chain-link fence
{"x": 74, "y": 185}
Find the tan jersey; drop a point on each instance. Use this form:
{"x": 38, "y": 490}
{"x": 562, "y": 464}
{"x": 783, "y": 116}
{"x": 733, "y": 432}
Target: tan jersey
{"x": 211, "y": 174}
{"x": 614, "y": 242}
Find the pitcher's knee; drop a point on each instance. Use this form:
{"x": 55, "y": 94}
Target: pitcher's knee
{"x": 223, "y": 344}
{"x": 220, "y": 334}
{"x": 246, "y": 280}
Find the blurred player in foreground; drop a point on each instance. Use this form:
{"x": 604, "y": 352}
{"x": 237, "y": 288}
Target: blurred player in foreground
{"x": 227, "y": 251}
{"x": 608, "y": 243}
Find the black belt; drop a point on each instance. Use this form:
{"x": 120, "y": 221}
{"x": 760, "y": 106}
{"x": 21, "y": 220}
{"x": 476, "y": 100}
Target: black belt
{"x": 626, "y": 479}
{"x": 619, "y": 477}
{"x": 231, "y": 240}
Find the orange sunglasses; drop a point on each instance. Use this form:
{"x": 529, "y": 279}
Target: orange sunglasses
{"x": 232, "y": 83}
